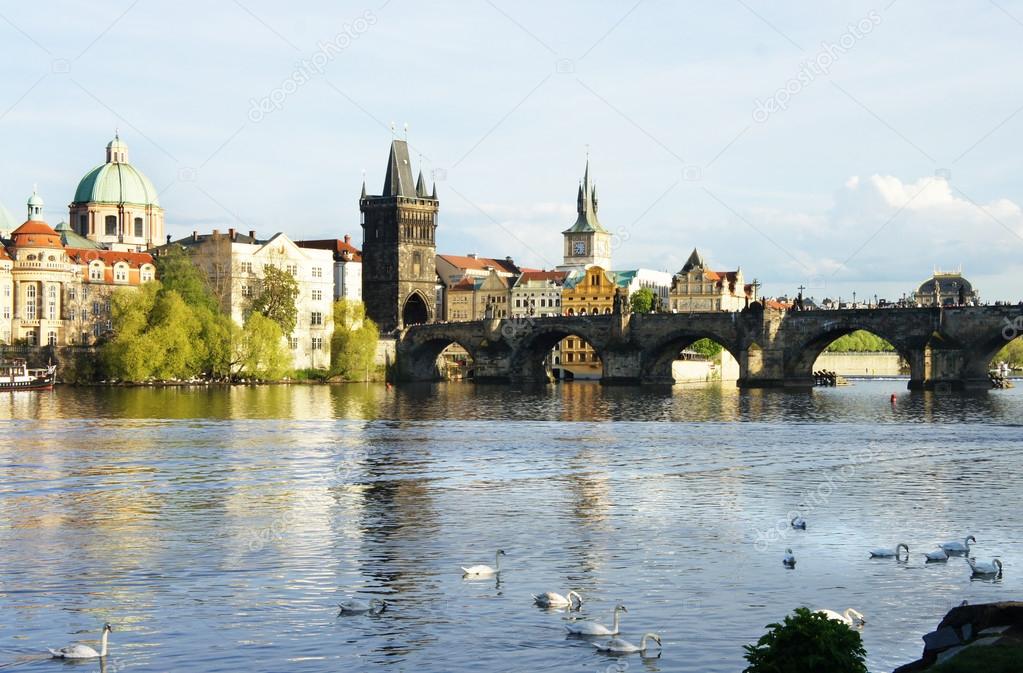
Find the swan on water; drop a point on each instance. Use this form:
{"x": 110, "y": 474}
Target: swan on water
{"x": 79, "y": 651}
{"x": 789, "y": 560}
{"x": 586, "y": 628}
{"x": 989, "y": 569}
{"x": 850, "y": 617}
{"x": 354, "y": 606}
{"x": 938, "y": 554}
{"x": 554, "y": 600}
{"x": 886, "y": 552}
{"x": 620, "y": 646}
{"x": 957, "y": 547}
{"x": 798, "y": 522}
{"x": 483, "y": 570}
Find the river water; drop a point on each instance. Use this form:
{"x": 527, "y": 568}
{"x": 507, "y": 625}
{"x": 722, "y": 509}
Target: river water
{"x": 217, "y": 529}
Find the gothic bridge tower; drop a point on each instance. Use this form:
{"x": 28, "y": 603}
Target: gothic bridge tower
{"x": 399, "y": 275}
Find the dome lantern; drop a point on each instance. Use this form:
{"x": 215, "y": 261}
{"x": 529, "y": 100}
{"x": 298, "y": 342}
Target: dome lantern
{"x": 35, "y": 206}
{"x": 117, "y": 150}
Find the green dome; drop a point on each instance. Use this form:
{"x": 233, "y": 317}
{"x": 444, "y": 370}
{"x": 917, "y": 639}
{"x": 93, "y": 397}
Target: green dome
{"x": 116, "y": 183}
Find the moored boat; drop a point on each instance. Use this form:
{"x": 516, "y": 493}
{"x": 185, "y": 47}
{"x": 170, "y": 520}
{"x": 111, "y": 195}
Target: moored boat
{"x": 16, "y": 375}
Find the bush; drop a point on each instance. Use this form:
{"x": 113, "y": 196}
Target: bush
{"x": 807, "y": 642}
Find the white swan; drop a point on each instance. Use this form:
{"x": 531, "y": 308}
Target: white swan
{"x": 789, "y": 560}
{"x": 937, "y": 555}
{"x": 555, "y": 600}
{"x": 585, "y": 628}
{"x": 988, "y": 569}
{"x": 79, "y": 651}
{"x": 353, "y": 606}
{"x": 484, "y": 570}
{"x": 798, "y": 522}
{"x": 957, "y": 547}
{"x": 619, "y": 646}
{"x": 850, "y": 617}
{"x": 885, "y": 552}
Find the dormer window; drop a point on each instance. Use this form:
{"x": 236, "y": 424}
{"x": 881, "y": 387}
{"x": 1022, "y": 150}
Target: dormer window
{"x": 96, "y": 272}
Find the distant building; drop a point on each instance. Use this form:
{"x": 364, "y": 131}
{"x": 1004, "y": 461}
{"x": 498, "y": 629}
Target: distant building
{"x": 586, "y": 243}
{"x": 234, "y": 262}
{"x": 589, "y": 292}
{"x": 696, "y": 288}
{"x": 116, "y": 205}
{"x": 537, "y": 293}
{"x": 470, "y": 282}
{"x": 55, "y": 288}
{"x": 946, "y": 288}
{"x": 399, "y": 227}
{"x": 657, "y": 281}
{"x": 347, "y": 265}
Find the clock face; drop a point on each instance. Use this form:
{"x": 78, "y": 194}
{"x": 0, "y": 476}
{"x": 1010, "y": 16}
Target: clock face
{"x": 579, "y": 248}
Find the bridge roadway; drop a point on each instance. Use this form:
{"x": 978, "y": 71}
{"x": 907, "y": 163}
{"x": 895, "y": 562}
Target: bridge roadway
{"x": 946, "y": 348}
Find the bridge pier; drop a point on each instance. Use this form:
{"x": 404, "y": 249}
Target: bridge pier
{"x": 622, "y": 367}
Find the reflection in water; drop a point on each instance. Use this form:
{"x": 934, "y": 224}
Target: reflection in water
{"x": 209, "y": 524}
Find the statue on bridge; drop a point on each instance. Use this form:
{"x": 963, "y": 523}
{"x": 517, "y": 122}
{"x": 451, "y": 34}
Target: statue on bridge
{"x": 621, "y": 303}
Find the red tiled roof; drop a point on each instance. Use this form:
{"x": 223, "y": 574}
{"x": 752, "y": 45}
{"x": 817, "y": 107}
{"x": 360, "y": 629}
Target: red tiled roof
{"x": 36, "y": 234}
{"x": 771, "y": 303}
{"x": 480, "y": 263}
{"x": 109, "y": 257}
{"x": 465, "y": 283}
{"x": 531, "y": 274}
{"x": 3, "y": 253}
{"x": 336, "y": 245}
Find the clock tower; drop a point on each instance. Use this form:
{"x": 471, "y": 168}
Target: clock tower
{"x": 587, "y": 243}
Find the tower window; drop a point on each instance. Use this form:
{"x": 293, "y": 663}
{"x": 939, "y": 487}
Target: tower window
{"x": 139, "y": 228}
{"x": 83, "y": 225}
{"x": 110, "y": 228}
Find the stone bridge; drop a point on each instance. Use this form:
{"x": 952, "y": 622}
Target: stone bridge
{"x": 946, "y": 348}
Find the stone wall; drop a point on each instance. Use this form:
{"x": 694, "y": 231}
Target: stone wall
{"x": 862, "y": 364}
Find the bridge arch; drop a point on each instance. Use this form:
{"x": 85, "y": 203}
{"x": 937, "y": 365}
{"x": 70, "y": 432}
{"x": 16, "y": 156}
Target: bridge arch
{"x": 658, "y": 359}
{"x": 802, "y": 355}
{"x": 421, "y": 359}
{"x": 533, "y": 357}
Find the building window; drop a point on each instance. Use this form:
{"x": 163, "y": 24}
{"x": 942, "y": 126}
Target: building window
{"x": 316, "y": 319}
{"x": 246, "y": 291}
{"x": 317, "y": 272}
{"x": 146, "y": 274}
{"x": 71, "y": 293}
{"x": 293, "y": 342}
{"x": 121, "y": 273}
{"x": 7, "y": 312}
{"x": 51, "y": 338}
{"x": 111, "y": 225}
{"x": 317, "y": 295}
{"x": 96, "y": 272}
{"x": 30, "y": 302}
{"x": 317, "y": 343}
{"x": 32, "y": 338}
{"x": 83, "y": 225}
{"x": 139, "y": 228}
{"x": 293, "y": 269}
{"x": 71, "y": 314}
{"x": 246, "y": 267}
{"x": 96, "y": 309}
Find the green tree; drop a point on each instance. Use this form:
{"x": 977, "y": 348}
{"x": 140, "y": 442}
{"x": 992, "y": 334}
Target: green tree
{"x": 706, "y": 347}
{"x": 643, "y": 300}
{"x": 354, "y": 343}
{"x": 277, "y": 297}
{"x": 258, "y": 349}
{"x": 125, "y": 356}
{"x": 179, "y": 273}
{"x": 860, "y": 342}
{"x": 807, "y": 642}
{"x": 1011, "y": 353}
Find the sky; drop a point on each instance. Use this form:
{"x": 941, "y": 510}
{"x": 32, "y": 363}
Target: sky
{"x": 839, "y": 146}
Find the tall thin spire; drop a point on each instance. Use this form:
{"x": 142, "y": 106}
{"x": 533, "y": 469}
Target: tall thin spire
{"x": 586, "y": 205}
{"x": 421, "y": 185}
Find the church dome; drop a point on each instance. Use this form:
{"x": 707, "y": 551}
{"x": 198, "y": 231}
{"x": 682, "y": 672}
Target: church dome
{"x": 116, "y": 181}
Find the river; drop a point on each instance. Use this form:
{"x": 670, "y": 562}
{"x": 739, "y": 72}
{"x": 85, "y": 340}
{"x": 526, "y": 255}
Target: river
{"x": 216, "y": 529}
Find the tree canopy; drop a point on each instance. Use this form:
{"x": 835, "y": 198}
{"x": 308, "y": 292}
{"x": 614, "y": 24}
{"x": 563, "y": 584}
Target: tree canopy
{"x": 643, "y": 300}
{"x": 276, "y": 299}
{"x": 354, "y": 343}
{"x": 860, "y": 342}
{"x": 807, "y": 642}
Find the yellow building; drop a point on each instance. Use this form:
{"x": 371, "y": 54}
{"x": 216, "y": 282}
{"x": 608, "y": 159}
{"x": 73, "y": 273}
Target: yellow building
{"x": 589, "y": 292}
{"x": 55, "y": 288}
{"x": 695, "y": 288}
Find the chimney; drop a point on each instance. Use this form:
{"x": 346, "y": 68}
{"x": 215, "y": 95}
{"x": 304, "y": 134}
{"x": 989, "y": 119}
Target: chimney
{"x": 195, "y": 235}
{"x": 231, "y": 232}
{"x": 252, "y": 234}
{"x": 216, "y": 233}
{"x": 348, "y": 239}
{"x": 471, "y": 255}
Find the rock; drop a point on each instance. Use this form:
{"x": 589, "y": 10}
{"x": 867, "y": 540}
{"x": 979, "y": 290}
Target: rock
{"x": 949, "y": 653}
{"x": 942, "y": 639}
{"x": 967, "y": 631}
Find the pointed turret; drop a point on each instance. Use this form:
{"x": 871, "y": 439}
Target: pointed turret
{"x": 434, "y": 195}
{"x": 586, "y": 207}
{"x": 363, "y": 188}
{"x": 695, "y": 261}
{"x": 398, "y": 181}
{"x": 421, "y": 186}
